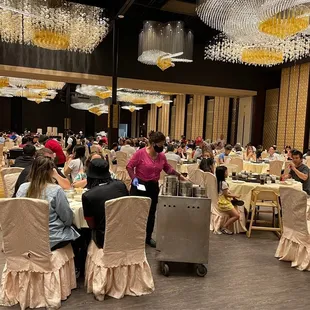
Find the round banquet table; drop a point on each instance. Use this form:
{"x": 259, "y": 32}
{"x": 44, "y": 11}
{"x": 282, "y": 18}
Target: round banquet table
{"x": 184, "y": 167}
{"x": 245, "y": 189}
{"x": 255, "y": 167}
{"x": 78, "y": 215}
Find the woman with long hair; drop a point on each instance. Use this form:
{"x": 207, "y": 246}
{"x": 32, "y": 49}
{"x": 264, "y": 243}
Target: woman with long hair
{"x": 41, "y": 186}
{"x": 250, "y": 154}
{"x": 226, "y": 199}
{"x": 144, "y": 168}
{"x": 76, "y": 162}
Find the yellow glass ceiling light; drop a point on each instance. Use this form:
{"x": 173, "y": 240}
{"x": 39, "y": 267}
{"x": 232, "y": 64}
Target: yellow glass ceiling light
{"x": 159, "y": 104}
{"x": 262, "y": 56}
{"x": 132, "y": 108}
{"x": 164, "y": 63}
{"x": 104, "y": 94}
{"x": 51, "y": 40}
{"x": 282, "y": 27}
{"x": 39, "y": 85}
{"x": 96, "y": 110}
{"x": 138, "y": 101}
{"x": 4, "y": 82}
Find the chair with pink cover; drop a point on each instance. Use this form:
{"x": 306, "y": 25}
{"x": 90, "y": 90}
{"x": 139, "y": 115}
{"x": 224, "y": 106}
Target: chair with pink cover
{"x": 276, "y": 167}
{"x": 294, "y": 245}
{"x": 218, "y": 218}
{"x": 121, "y": 268}
{"x": 33, "y": 276}
{"x": 121, "y": 171}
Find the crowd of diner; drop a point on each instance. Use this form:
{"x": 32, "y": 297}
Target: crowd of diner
{"x": 54, "y": 165}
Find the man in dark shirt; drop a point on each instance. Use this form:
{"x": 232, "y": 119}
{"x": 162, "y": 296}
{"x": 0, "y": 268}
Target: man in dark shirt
{"x": 28, "y": 157}
{"x": 299, "y": 172}
{"x": 58, "y": 176}
{"x": 101, "y": 188}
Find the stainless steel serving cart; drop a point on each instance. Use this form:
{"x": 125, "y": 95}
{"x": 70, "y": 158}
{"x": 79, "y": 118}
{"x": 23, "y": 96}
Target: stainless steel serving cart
{"x": 183, "y": 228}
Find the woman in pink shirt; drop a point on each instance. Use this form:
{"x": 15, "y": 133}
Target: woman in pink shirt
{"x": 144, "y": 168}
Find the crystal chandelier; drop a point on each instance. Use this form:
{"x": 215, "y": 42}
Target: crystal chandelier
{"x": 101, "y": 92}
{"x": 262, "y": 32}
{"x": 131, "y": 108}
{"x": 164, "y": 44}
{"x": 52, "y": 24}
{"x": 94, "y": 108}
{"x": 140, "y": 97}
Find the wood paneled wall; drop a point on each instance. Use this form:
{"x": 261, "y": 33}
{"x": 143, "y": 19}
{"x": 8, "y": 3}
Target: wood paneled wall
{"x": 293, "y": 106}
{"x": 189, "y": 120}
{"x": 134, "y": 124}
{"x": 220, "y": 117}
{"x": 210, "y": 117}
{"x": 152, "y": 118}
{"x": 271, "y": 117}
{"x": 163, "y": 122}
{"x": 198, "y": 116}
{"x": 179, "y": 117}
{"x": 232, "y": 138}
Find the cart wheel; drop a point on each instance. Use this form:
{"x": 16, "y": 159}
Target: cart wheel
{"x": 164, "y": 269}
{"x": 201, "y": 270}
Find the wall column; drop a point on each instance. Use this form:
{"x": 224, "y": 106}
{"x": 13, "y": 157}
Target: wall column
{"x": 220, "y": 120}
{"x": 198, "y": 115}
{"x": 180, "y": 116}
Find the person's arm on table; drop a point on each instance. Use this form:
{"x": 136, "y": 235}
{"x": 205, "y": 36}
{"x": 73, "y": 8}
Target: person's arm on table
{"x": 62, "y": 181}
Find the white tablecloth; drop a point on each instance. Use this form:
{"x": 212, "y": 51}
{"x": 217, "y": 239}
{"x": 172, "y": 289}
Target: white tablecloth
{"x": 78, "y": 216}
{"x": 255, "y": 167}
{"x": 245, "y": 189}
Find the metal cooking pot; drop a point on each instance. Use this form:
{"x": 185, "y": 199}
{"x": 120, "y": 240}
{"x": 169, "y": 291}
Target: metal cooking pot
{"x": 170, "y": 185}
{"x": 186, "y": 189}
{"x": 199, "y": 192}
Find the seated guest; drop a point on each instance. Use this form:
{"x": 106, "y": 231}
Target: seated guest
{"x": 41, "y": 186}
{"x": 170, "y": 155}
{"x": 25, "y": 140}
{"x": 238, "y": 149}
{"x": 259, "y": 151}
{"x": 58, "y": 177}
{"x": 55, "y": 147}
{"x": 128, "y": 149}
{"x": 113, "y": 152}
{"x": 101, "y": 188}
{"x": 227, "y": 151}
{"x": 76, "y": 162}
{"x": 207, "y": 165}
{"x": 199, "y": 145}
{"x": 299, "y": 172}
{"x": 226, "y": 199}
{"x": 181, "y": 151}
{"x": 28, "y": 157}
{"x": 250, "y": 154}
{"x": 287, "y": 149}
{"x": 272, "y": 154}
{"x": 2, "y": 139}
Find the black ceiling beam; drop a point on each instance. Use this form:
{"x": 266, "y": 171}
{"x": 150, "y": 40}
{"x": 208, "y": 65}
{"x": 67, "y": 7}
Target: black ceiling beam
{"x": 123, "y": 10}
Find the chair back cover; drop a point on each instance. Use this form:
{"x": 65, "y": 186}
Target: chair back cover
{"x": 287, "y": 168}
{"x": 125, "y": 232}
{"x": 231, "y": 168}
{"x": 238, "y": 161}
{"x": 198, "y": 177}
{"x": 276, "y": 167}
{"x": 264, "y": 154}
{"x": 25, "y": 226}
{"x": 9, "y": 184}
{"x": 211, "y": 186}
{"x": 191, "y": 168}
{"x": 5, "y": 171}
{"x": 308, "y": 161}
{"x": 294, "y": 209}
{"x": 122, "y": 160}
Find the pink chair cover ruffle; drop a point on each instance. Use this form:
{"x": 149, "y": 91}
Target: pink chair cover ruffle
{"x": 38, "y": 289}
{"x": 133, "y": 280}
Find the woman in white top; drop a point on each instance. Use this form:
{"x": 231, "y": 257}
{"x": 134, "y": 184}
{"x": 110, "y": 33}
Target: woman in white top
{"x": 76, "y": 161}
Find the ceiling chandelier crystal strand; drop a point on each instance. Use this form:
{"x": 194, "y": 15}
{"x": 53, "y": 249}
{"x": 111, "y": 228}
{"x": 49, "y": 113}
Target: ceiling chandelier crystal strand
{"x": 260, "y": 32}
{"x": 164, "y": 44}
{"x": 52, "y": 24}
